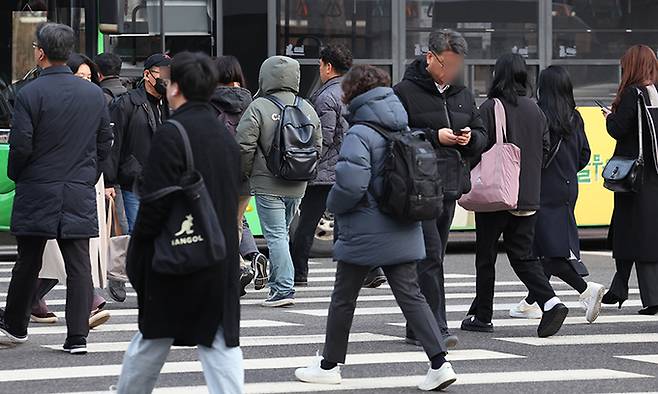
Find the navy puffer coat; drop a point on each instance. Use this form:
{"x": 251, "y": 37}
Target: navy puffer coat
{"x": 366, "y": 236}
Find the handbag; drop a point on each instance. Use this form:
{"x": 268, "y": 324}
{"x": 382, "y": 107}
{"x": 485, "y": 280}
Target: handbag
{"x": 191, "y": 238}
{"x": 495, "y": 180}
{"x": 624, "y": 174}
{"x": 117, "y": 246}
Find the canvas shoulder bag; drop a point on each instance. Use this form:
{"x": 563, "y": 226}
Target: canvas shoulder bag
{"x": 191, "y": 238}
{"x": 495, "y": 180}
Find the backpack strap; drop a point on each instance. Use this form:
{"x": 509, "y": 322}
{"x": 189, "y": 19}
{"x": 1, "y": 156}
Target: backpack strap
{"x": 276, "y": 101}
{"x": 380, "y": 130}
{"x": 189, "y": 164}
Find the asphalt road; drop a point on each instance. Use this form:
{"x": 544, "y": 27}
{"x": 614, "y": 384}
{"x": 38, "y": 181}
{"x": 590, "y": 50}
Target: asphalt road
{"x": 618, "y": 353}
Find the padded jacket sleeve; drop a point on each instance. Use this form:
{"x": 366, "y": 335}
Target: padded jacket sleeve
{"x": 353, "y": 173}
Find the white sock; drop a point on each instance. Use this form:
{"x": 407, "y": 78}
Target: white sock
{"x": 551, "y": 303}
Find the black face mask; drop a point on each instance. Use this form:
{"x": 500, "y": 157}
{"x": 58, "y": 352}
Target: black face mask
{"x": 160, "y": 87}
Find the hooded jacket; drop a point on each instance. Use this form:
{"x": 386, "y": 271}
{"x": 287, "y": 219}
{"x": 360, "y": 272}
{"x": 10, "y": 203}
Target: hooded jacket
{"x": 366, "y": 236}
{"x": 230, "y": 103}
{"x": 279, "y": 76}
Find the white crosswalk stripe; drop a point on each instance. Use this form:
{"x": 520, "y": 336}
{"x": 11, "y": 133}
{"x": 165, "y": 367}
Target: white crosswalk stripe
{"x": 275, "y": 342}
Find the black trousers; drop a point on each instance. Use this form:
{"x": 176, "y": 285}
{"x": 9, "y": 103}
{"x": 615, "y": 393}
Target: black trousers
{"x": 404, "y": 284}
{"x": 430, "y": 270}
{"x": 313, "y": 206}
{"x": 563, "y": 269}
{"x": 518, "y": 235}
{"x": 22, "y": 288}
{"x": 647, "y": 279}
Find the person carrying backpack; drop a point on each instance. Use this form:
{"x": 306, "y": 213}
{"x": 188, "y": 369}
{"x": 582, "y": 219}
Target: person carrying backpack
{"x": 369, "y": 237}
{"x": 447, "y": 111}
{"x": 230, "y": 99}
{"x": 280, "y": 140}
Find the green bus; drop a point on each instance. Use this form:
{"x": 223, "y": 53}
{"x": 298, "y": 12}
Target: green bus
{"x": 587, "y": 38}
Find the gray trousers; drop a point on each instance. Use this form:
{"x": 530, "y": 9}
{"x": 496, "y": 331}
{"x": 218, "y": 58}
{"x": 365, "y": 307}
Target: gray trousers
{"x": 403, "y": 280}
{"x": 223, "y": 367}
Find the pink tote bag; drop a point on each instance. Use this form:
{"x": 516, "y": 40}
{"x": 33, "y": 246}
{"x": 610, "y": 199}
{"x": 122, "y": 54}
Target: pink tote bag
{"x": 495, "y": 180}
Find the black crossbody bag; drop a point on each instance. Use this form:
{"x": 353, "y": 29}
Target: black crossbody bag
{"x": 191, "y": 238}
{"x": 625, "y": 174}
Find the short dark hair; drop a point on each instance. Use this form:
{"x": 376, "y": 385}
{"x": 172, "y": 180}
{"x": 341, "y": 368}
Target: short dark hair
{"x": 108, "y": 64}
{"x": 339, "y": 56}
{"x": 195, "y": 74}
{"x": 78, "y": 59}
{"x": 230, "y": 71}
{"x": 447, "y": 40}
{"x": 56, "y": 40}
{"x": 362, "y": 78}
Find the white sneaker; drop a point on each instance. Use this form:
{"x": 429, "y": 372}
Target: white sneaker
{"x": 526, "y": 311}
{"x": 591, "y": 300}
{"x": 439, "y": 379}
{"x": 315, "y": 374}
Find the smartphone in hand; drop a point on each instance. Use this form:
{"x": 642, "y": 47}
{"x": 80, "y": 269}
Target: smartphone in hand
{"x": 600, "y": 104}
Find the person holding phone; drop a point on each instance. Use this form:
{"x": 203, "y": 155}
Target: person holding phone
{"x": 447, "y": 111}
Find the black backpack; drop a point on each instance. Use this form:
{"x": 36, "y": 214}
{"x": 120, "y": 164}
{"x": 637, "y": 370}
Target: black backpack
{"x": 292, "y": 155}
{"x": 412, "y": 185}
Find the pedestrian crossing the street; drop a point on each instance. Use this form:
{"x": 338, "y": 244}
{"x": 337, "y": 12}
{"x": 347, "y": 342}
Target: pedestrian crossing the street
{"x": 276, "y": 341}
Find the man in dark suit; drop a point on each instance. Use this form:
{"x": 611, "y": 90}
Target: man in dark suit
{"x": 60, "y": 134}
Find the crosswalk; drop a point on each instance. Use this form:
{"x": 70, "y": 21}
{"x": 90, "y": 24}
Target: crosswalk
{"x": 275, "y": 342}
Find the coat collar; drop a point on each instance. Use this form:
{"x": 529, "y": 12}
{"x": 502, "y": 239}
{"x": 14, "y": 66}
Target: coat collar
{"x": 190, "y": 105}
{"x": 56, "y": 70}
{"x": 333, "y": 81}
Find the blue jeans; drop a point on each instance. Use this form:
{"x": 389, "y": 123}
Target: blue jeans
{"x": 223, "y": 366}
{"x": 276, "y": 214}
{"x": 131, "y": 205}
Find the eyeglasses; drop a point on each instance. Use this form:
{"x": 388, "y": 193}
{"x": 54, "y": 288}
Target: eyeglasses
{"x": 35, "y": 45}
{"x": 443, "y": 64}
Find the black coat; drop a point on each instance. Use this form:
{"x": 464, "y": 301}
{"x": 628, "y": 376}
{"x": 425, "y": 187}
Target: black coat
{"x": 454, "y": 109}
{"x": 527, "y": 128}
{"x": 189, "y": 308}
{"x": 61, "y": 131}
{"x": 134, "y": 124}
{"x": 557, "y": 232}
{"x": 635, "y": 214}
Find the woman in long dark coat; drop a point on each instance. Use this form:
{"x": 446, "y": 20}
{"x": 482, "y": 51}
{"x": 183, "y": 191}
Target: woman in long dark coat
{"x": 634, "y": 236}
{"x": 556, "y": 234}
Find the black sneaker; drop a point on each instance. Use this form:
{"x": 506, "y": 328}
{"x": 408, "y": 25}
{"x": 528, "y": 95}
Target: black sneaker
{"x": 75, "y": 345}
{"x": 472, "y": 323}
{"x": 259, "y": 265}
{"x": 551, "y": 321}
{"x": 246, "y": 276}
{"x": 12, "y": 338}
{"x": 117, "y": 290}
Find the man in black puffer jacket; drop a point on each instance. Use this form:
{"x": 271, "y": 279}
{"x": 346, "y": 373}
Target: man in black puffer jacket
{"x": 453, "y": 125}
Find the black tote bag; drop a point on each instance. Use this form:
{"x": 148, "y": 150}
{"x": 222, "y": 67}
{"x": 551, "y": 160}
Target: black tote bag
{"x": 192, "y": 238}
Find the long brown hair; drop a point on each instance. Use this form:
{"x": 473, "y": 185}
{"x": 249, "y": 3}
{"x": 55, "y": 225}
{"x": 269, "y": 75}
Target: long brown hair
{"x": 638, "y": 66}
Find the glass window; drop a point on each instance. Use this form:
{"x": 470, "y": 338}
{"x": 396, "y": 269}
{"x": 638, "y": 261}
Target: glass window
{"x": 363, "y": 25}
{"x": 602, "y": 29}
{"x": 310, "y": 78}
{"x": 483, "y": 75}
{"x": 489, "y": 27}
{"x": 594, "y": 81}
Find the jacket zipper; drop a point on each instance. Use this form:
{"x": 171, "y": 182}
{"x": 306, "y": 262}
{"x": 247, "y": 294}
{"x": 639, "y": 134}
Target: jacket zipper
{"x": 445, "y": 110}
